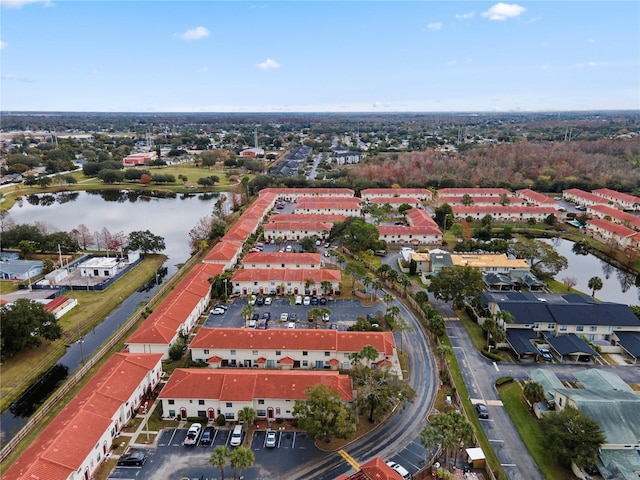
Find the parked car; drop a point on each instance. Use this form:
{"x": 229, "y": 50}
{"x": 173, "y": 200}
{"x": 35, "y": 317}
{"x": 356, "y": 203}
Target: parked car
{"x": 207, "y": 436}
{"x": 327, "y": 245}
{"x": 192, "y": 435}
{"x": 268, "y": 300}
{"x": 546, "y": 354}
{"x": 326, "y": 254}
{"x": 218, "y": 311}
{"x": 221, "y": 305}
{"x": 584, "y": 358}
{"x": 298, "y": 300}
{"x": 251, "y": 300}
{"x": 481, "y": 408}
{"x": 334, "y": 326}
{"x": 236, "y": 436}
{"x": 314, "y": 300}
{"x": 260, "y": 301}
{"x": 325, "y": 317}
{"x": 291, "y": 325}
{"x": 400, "y": 470}
{"x": 266, "y": 316}
{"x": 284, "y": 317}
{"x": 323, "y": 301}
{"x": 270, "y": 440}
{"x": 262, "y": 324}
{"x": 306, "y": 301}
{"x": 318, "y": 243}
{"x": 132, "y": 459}
{"x": 293, "y": 317}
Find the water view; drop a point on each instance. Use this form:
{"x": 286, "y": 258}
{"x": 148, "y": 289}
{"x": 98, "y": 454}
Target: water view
{"x": 617, "y": 285}
{"x": 121, "y": 211}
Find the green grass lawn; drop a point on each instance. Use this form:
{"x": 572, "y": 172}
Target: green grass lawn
{"x": 530, "y": 431}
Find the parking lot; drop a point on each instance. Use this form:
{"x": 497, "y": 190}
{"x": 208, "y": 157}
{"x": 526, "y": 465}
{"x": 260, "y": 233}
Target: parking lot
{"x": 343, "y": 313}
{"x": 170, "y": 459}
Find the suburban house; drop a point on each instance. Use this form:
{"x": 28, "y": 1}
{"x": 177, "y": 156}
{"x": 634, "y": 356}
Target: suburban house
{"x": 296, "y": 230}
{"x": 567, "y": 322}
{"x": 372, "y": 194}
{"x": 609, "y": 213}
{"x": 138, "y": 159}
{"x": 207, "y": 393}
{"x": 77, "y": 440}
{"x": 177, "y": 314}
{"x": 407, "y": 235}
{"x": 284, "y": 349}
{"x": 613, "y": 233}
{"x": 346, "y": 157}
{"x": 536, "y": 198}
{"x": 340, "y": 206}
{"x": 623, "y": 201}
{"x": 225, "y": 253}
{"x": 583, "y": 198}
{"x": 20, "y": 269}
{"x": 282, "y": 260}
{"x": 283, "y": 281}
{"x": 604, "y": 397}
{"x": 502, "y": 213}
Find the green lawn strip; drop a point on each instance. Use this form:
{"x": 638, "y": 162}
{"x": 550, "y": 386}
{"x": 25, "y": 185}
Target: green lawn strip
{"x": 530, "y": 431}
{"x": 460, "y": 386}
{"x": 23, "y": 369}
{"x": 555, "y": 286}
{"x": 478, "y": 337}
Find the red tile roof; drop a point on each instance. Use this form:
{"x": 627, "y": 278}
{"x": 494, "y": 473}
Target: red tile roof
{"x": 287, "y": 361}
{"x": 313, "y": 203}
{"x": 502, "y": 209}
{"x": 615, "y": 214}
{"x": 327, "y": 192}
{"x": 285, "y": 339}
{"x": 395, "y": 200}
{"x": 536, "y": 197}
{"x": 241, "y": 230}
{"x": 623, "y": 197}
{"x": 407, "y": 192}
{"x": 299, "y": 226}
{"x": 55, "y": 303}
{"x": 581, "y": 194}
{"x": 72, "y": 435}
{"x": 374, "y": 469}
{"x": 612, "y": 227}
{"x": 277, "y": 258}
{"x": 443, "y": 192}
{"x": 247, "y": 385}
{"x": 224, "y": 251}
{"x": 420, "y": 218}
{"x": 404, "y": 230}
{"x": 307, "y": 217}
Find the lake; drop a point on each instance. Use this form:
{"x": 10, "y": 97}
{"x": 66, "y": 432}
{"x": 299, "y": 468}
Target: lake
{"x": 121, "y": 211}
{"x": 617, "y": 285}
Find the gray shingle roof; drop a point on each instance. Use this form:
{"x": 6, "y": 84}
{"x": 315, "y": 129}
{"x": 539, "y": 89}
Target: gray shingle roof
{"x": 570, "y": 345}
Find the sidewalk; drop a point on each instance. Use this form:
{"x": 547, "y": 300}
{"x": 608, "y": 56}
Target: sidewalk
{"x": 152, "y": 436}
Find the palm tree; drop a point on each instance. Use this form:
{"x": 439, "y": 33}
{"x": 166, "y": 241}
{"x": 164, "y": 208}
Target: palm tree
{"x": 402, "y": 326}
{"x": 534, "y": 392}
{"x": 240, "y": 459}
{"x": 443, "y": 350}
{"x": 247, "y": 415}
{"x": 376, "y": 285}
{"x": 326, "y": 286}
{"x": 430, "y": 437}
{"x": 404, "y": 281}
{"x": 219, "y": 458}
{"x": 387, "y": 299}
{"x": 308, "y": 283}
{"x": 246, "y": 313}
{"x": 595, "y": 284}
{"x": 392, "y": 311}
{"x": 314, "y": 314}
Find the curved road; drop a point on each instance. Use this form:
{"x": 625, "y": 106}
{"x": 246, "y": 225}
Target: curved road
{"x": 402, "y": 428}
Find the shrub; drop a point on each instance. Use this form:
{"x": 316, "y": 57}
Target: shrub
{"x": 197, "y": 419}
{"x": 220, "y": 420}
{"x": 491, "y": 356}
{"x": 503, "y": 381}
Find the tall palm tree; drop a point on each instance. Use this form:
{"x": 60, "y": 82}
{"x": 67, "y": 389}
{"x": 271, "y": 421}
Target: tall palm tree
{"x": 430, "y": 437}
{"x": 387, "y": 299}
{"x": 241, "y": 458}
{"x": 376, "y": 285}
{"x": 219, "y": 458}
{"x": 247, "y": 415}
{"x": 326, "y": 286}
{"x": 595, "y": 284}
{"x": 405, "y": 281}
{"x": 246, "y": 313}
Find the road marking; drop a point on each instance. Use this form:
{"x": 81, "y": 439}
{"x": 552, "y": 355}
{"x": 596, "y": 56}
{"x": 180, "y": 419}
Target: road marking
{"x": 508, "y": 464}
{"x": 495, "y": 365}
{"x": 495, "y": 403}
{"x": 496, "y": 440}
{"x": 350, "y": 460}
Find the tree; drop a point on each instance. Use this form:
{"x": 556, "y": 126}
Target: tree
{"x": 83, "y": 236}
{"x": 572, "y": 436}
{"x": 368, "y": 352}
{"x": 308, "y": 244}
{"x": 430, "y": 437}
{"x": 467, "y": 200}
{"x": 44, "y": 182}
{"x": 444, "y": 216}
{"x": 247, "y": 415}
{"x": 544, "y": 260}
{"x": 437, "y": 325}
{"x": 323, "y": 414}
{"x": 356, "y": 270}
{"x": 23, "y": 325}
{"x": 569, "y": 282}
{"x": 356, "y": 234}
{"x": 379, "y": 391}
{"x": 219, "y": 458}
{"x": 595, "y": 284}
{"x": 455, "y": 430}
{"x": 457, "y": 284}
{"x": 534, "y": 392}
{"x": 240, "y": 459}
{"x": 145, "y": 179}
{"x": 405, "y": 281}
{"x": 146, "y": 242}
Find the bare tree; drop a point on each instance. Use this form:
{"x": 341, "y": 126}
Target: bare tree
{"x": 570, "y": 282}
{"x": 82, "y": 235}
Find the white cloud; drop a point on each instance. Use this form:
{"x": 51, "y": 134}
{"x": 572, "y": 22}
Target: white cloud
{"x": 435, "y": 26}
{"x": 3, "y": 45}
{"x": 268, "y": 64}
{"x": 589, "y": 64}
{"x": 503, "y": 11}
{"x": 21, "y": 3}
{"x": 15, "y": 78}
{"x": 464, "y": 16}
{"x": 195, "y": 34}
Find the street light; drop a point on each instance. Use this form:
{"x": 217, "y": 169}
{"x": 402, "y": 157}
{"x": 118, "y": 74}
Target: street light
{"x": 81, "y": 351}
{"x": 225, "y": 288}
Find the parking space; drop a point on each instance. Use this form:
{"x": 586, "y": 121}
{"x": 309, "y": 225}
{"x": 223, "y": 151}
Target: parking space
{"x": 343, "y": 313}
{"x": 412, "y": 457}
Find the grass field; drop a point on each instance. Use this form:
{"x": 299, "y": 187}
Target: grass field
{"x": 20, "y": 371}
{"x": 530, "y": 431}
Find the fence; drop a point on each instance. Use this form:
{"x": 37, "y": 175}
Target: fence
{"x": 50, "y": 403}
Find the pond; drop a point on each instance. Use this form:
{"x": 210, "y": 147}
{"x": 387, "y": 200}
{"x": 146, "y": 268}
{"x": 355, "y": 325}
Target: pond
{"x": 617, "y": 285}
{"x": 120, "y": 211}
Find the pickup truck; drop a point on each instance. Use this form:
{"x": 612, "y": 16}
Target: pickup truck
{"x": 192, "y": 435}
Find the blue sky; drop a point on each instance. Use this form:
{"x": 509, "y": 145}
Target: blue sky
{"x": 306, "y": 56}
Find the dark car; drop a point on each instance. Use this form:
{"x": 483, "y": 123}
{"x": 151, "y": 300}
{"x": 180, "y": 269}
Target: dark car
{"x": 293, "y": 317}
{"x": 255, "y": 316}
{"x": 584, "y": 358}
{"x": 207, "y": 436}
{"x": 134, "y": 459}
{"x": 266, "y": 316}
{"x": 323, "y": 301}
{"x": 546, "y": 354}
{"x": 481, "y": 408}
{"x": 314, "y": 300}
{"x": 260, "y": 301}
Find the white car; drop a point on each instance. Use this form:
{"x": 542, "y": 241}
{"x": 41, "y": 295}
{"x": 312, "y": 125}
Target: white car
{"x": 251, "y": 299}
{"x": 291, "y": 325}
{"x": 298, "y": 300}
{"x": 270, "y": 440}
{"x": 284, "y": 317}
{"x": 192, "y": 435}
{"x": 268, "y": 300}
{"x": 218, "y": 311}
{"x": 400, "y": 470}
{"x": 306, "y": 301}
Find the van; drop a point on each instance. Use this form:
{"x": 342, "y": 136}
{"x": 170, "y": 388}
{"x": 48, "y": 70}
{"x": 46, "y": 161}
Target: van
{"x": 236, "y": 436}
